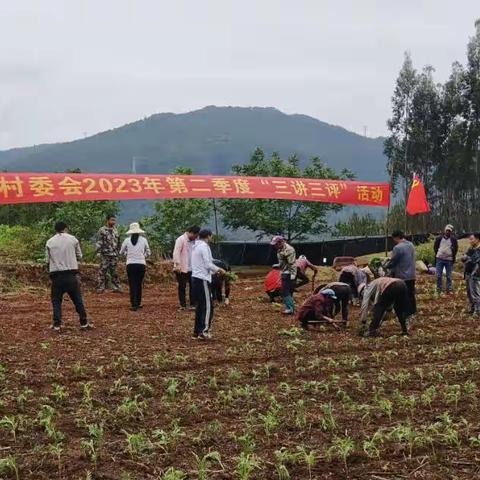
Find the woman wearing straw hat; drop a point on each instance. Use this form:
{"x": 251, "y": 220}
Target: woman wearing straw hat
{"x": 135, "y": 248}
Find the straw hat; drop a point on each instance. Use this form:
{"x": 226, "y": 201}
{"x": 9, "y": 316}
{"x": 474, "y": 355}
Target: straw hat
{"x": 134, "y": 228}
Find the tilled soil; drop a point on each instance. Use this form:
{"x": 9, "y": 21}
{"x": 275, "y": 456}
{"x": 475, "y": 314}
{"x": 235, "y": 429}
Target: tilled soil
{"x": 138, "y": 398}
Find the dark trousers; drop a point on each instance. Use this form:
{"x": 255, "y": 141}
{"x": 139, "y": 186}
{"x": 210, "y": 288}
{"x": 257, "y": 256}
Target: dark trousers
{"x": 412, "y": 300}
{"x": 343, "y": 294}
{"x": 136, "y": 274}
{"x": 218, "y": 290}
{"x": 202, "y": 292}
{"x": 184, "y": 279}
{"x": 396, "y": 295}
{"x": 273, "y": 295}
{"x": 69, "y": 283}
{"x": 301, "y": 279}
{"x": 349, "y": 278}
{"x": 287, "y": 285}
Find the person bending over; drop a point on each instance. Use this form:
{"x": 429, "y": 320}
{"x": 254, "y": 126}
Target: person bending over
{"x": 343, "y": 292}
{"x": 317, "y": 308}
{"x": 303, "y": 263}
{"x": 382, "y": 293}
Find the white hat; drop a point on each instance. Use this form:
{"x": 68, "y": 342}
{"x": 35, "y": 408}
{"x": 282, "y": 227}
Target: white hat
{"x": 449, "y": 228}
{"x": 134, "y": 228}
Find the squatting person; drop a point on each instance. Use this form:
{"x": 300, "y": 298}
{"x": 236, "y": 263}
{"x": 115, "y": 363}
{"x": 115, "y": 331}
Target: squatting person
{"x": 402, "y": 265}
{"x": 63, "y": 254}
{"x": 202, "y": 270}
{"x": 288, "y": 268}
{"x": 343, "y": 292}
{"x": 273, "y": 284}
{"x": 221, "y": 284}
{"x": 318, "y": 307}
{"x": 135, "y": 247}
{"x": 182, "y": 265}
{"x": 471, "y": 260}
{"x": 446, "y": 249}
{"x": 384, "y": 292}
{"x": 108, "y": 248}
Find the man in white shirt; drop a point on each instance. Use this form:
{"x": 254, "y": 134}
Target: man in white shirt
{"x": 202, "y": 269}
{"x": 63, "y": 253}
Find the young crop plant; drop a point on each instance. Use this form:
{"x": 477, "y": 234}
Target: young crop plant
{"x": 78, "y": 370}
{"x": 132, "y": 408}
{"x": 138, "y": 444}
{"x": 452, "y": 394}
{"x": 328, "y": 422}
{"x": 167, "y": 440}
{"x": 205, "y": 464}
{"x": 56, "y": 450}
{"x": 246, "y": 464}
{"x": 23, "y": 397}
{"x": 171, "y": 388}
{"x": 93, "y": 445}
{"x": 429, "y": 396}
{"x": 371, "y": 446}
{"x": 308, "y": 458}
{"x": 385, "y": 406}
{"x": 9, "y": 465}
{"x": 59, "y": 393}
{"x": 11, "y": 424}
{"x": 246, "y": 442}
{"x": 173, "y": 474}
{"x": 300, "y": 416}
{"x": 87, "y": 399}
{"x": 341, "y": 448}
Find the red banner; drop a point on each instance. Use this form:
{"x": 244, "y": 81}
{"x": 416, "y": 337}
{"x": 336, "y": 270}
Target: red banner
{"x": 68, "y": 187}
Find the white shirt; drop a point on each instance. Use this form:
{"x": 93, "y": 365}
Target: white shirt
{"x": 135, "y": 253}
{"x": 63, "y": 253}
{"x": 202, "y": 261}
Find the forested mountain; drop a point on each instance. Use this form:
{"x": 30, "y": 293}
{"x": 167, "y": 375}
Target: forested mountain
{"x": 209, "y": 140}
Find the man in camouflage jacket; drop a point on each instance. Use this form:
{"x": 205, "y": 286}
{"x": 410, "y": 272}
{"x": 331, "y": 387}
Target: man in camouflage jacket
{"x": 108, "y": 248}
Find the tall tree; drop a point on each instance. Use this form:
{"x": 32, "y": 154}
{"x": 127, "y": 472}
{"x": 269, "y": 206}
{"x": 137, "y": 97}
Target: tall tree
{"x": 173, "y": 217}
{"x": 294, "y": 219}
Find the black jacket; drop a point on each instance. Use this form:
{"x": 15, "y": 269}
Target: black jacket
{"x": 454, "y": 240}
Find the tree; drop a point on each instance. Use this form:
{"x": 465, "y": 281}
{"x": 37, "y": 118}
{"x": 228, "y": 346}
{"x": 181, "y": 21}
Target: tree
{"x": 173, "y": 217}
{"x": 359, "y": 225}
{"x": 294, "y": 219}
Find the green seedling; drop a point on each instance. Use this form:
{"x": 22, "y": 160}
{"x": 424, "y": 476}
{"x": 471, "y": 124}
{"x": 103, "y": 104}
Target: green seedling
{"x": 205, "y": 464}
{"x": 9, "y": 465}
{"x": 246, "y": 464}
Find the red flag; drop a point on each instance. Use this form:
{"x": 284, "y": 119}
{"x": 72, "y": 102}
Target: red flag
{"x": 417, "y": 199}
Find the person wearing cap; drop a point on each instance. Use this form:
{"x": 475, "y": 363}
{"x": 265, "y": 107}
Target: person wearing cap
{"x": 303, "y": 263}
{"x": 445, "y": 248}
{"x": 402, "y": 264}
{"x": 383, "y": 293}
{"x": 135, "y": 247}
{"x": 288, "y": 269}
{"x": 318, "y": 307}
{"x": 343, "y": 292}
{"x": 63, "y": 254}
{"x": 202, "y": 270}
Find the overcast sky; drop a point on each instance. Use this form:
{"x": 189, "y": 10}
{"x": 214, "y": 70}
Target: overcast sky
{"x": 70, "y": 68}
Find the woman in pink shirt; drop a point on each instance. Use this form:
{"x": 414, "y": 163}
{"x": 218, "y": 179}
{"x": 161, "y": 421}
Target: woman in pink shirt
{"x": 182, "y": 265}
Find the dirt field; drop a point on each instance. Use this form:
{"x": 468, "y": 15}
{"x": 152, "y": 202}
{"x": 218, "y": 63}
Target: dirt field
{"x": 137, "y": 398}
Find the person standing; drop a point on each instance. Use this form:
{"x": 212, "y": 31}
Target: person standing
{"x": 471, "y": 260}
{"x": 402, "y": 265}
{"x": 202, "y": 270}
{"x": 303, "y": 263}
{"x": 135, "y": 247}
{"x": 384, "y": 292}
{"x": 445, "y": 248}
{"x": 108, "y": 248}
{"x": 182, "y": 265}
{"x": 63, "y": 254}
{"x": 287, "y": 264}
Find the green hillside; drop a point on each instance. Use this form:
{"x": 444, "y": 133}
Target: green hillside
{"x": 209, "y": 140}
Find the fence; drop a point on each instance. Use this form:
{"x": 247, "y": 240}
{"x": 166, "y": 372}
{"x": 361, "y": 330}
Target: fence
{"x": 319, "y": 253}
